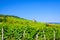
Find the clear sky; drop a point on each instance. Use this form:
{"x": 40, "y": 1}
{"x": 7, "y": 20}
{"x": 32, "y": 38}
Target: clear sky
{"x": 40, "y": 10}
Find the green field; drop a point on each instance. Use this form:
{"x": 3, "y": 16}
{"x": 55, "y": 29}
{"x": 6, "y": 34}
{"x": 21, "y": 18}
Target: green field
{"x": 16, "y": 28}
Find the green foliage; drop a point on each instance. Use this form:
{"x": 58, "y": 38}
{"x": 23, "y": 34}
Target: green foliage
{"x": 14, "y": 28}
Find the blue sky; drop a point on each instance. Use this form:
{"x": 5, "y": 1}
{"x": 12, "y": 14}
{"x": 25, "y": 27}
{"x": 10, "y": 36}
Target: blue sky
{"x": 40, "y": 10}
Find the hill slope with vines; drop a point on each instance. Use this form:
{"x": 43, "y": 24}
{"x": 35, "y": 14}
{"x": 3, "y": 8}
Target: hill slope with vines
{"x": 15, "y": 27}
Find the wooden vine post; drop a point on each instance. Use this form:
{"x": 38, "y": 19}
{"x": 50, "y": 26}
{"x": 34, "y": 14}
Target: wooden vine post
{"x": 2, "y": 34}
{"x": 54, "y": 35}
{"x": 24, "y": 35}
{"x": 44, "y": 35}
{"x": 37, "y": 36}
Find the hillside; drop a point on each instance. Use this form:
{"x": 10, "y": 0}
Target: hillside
{"x": 14, "y": 28}
{"x": 7, "y": 19}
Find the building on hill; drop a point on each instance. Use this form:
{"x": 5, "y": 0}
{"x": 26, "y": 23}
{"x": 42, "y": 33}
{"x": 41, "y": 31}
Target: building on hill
{"x": 34, "y": 20}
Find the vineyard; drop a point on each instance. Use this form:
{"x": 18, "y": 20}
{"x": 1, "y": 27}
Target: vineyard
{"x": 15, "y": 28}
